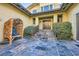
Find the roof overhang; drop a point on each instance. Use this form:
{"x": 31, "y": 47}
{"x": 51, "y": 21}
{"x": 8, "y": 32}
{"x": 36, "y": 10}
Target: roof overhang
{"x": 44, "y": 13}
{"x": 32, "y": 5}
{"x": 64, "y": 7}
{"x": 22, "y": 10}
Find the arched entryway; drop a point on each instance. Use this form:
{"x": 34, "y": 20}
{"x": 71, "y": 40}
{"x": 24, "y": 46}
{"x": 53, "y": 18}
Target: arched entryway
{"x": 17, "y": 27}
{"x": 13, "y": 27}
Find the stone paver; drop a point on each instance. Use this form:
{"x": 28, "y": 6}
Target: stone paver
{"x": 42, "y": 44}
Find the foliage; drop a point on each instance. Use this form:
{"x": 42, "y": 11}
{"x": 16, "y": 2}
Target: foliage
{"x": 30, "y": 30}
{"x": 63, "y": 30}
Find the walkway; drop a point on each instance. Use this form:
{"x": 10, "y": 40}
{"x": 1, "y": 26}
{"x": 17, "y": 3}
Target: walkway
{"x": 42, "y": 44}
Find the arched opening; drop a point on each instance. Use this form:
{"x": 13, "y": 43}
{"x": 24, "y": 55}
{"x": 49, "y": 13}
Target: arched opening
{"x": 13, "y": 28}
{"x": 17, "y": 27}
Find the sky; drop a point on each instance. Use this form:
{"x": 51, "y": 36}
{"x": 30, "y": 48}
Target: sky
{"x": 26, "y": 4}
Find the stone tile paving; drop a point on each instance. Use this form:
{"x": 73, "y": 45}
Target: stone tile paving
{"x": 42, "y": 44}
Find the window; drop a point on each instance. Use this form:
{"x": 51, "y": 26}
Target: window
{"x": 59, "y": 18}
{"x": 34, "y": 11}
{"x": 41, "y": 9}
{"x": 46, "y": 8}
{"x": 51, "y": 7}
{"x": 34, "y": 20}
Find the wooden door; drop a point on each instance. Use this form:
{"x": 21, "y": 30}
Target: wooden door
{"x": 47, "y": 24}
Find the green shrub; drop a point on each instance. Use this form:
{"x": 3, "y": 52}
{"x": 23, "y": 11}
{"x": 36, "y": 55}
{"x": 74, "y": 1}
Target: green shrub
{"x": 36, "y": 28}
{"x": 63, "y": 30}
{"x": 30, "y": 30}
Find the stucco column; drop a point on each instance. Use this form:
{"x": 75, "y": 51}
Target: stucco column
{"x": 37, "y": 21}
{"x": 51, "y": 23}
{"x": 41, "y": 25}
{"x": 55, "y": 18}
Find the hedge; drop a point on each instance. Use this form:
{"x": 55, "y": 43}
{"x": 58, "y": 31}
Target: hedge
{"x": 63, "y": 30}
{"x": 30, "y": 30}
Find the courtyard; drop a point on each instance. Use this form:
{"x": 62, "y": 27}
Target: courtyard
{"x": 43, "y": 43}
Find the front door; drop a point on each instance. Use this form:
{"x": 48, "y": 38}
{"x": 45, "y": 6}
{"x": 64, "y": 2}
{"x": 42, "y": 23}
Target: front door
{"x": 46, "y": 24}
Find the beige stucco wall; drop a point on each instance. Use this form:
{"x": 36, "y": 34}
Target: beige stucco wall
{"x": 72, "y": 18}
{"x": 7, "y": 11}
{"x": 64, "y": 17}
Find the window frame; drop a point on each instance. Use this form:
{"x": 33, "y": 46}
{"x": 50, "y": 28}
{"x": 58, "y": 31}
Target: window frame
{"x": 34, "y": 11}
{"x": 60, "y": 18}
{"x": 34, "y": 21}
{"x": 51, "y": 7}
{"x": 46, "y": 8}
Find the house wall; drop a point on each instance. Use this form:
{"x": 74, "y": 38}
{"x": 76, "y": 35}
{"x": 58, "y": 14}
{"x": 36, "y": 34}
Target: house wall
{"x": 68, "y": 16}
{"x": 55, "y": 5}
{"x": 38, "y": 7}
{"x": 54, "y": 19}
{"x": 8, "y": 11}
{"x": 73, "y": 10}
